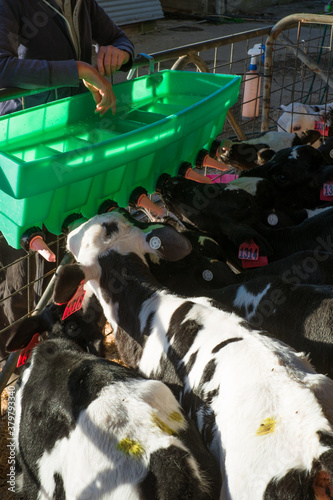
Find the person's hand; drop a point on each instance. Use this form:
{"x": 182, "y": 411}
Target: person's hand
{"x": 110, "y": 59}
{"x": 100, "y": 88}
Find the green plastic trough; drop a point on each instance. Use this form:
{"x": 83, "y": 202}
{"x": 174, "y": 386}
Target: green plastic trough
{"x": 63, "y": 158}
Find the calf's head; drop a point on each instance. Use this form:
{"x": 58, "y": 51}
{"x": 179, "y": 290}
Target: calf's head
{"x": 82, "y": 327}
{"x": 116, "y": 243}
{"x": 297, "y": 174}
{"x": 297, "y": 117}
{"x": 115, "y": 232}
{"x": 226, "y": 212}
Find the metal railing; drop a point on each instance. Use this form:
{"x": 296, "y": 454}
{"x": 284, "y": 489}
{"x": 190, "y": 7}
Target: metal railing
{"x": 298, "y": 47}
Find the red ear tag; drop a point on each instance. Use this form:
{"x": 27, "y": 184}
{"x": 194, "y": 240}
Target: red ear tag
{"x": 26, "y": 352}
{"x": 326, "y": 192}
{"x": 75, "y": 303}
{"x": 262, "y": 261}
{"x": 321, "y": 127}
{"x": 248, "y": 253}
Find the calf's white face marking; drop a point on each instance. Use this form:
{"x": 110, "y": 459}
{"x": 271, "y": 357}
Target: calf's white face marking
{"x": 92, "y": 239}
{"x": 293, "y": 154}
{"x": 248, "y": 184}
{"x": 248, "y": 300}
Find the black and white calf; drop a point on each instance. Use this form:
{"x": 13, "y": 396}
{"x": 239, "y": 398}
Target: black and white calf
{"x": 206, "y": 267}
{"x": 224, "y": 212}
{"x": 286, "y": 298}
{"x": 264, "y": 412}
{"x": 248, "y": 154}
{"x": 88, "y": 428}
{"x": 193, "y": 276}
{"x": 204, "y": 206}
{"x": 297, "y": 174}
{"x": 299, "y": 315}
{"x": 314, "y": 234}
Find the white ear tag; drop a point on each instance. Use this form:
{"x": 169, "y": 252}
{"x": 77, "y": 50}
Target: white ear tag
{"x": 155, "y": 243}
{"x": 207, "y": 275}
{"x": 272, "y": 219}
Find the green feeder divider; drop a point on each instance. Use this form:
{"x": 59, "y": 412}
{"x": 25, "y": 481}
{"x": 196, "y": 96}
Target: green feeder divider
{"x": 62, "y": 158}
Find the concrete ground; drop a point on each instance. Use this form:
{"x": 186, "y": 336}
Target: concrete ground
{"x": 173, "y": 31}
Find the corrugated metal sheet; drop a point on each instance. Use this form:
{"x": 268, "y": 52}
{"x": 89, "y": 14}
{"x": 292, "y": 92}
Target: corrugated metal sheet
{"x": 124, "y": 12}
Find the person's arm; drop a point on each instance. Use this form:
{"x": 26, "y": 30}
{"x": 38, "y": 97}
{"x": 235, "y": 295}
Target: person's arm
{"x": 40, "y": 73}
{"x": 116, "y": 51}
{"x": 99, "y": 86}
{"x": 111, "y": 59}
{"x": 28, "y": 73}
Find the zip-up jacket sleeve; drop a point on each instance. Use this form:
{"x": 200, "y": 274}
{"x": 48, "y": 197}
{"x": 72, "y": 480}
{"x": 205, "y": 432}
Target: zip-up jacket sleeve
{"x": 36, "y": 50}
{"x": 106, "y": 32}
{"x": 17, "y": 32}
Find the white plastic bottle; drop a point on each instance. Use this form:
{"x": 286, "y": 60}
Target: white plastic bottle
{"x": 252, "y": 84}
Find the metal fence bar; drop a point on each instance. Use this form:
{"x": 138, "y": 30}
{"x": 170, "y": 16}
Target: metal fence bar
{"x": 302, "y": 56}
{"x": 162, "y": 56}
{"x": 283, "y": 25}
{"x": 11, "y": 363}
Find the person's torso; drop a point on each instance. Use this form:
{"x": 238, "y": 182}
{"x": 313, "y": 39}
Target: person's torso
{"x": 45, "y": 34}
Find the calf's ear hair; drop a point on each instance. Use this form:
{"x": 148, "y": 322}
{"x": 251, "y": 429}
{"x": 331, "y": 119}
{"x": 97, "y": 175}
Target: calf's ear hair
{"x": 67, "y": 282}
{"x": 168, "y": 243}
{"x": 19, "y": 335}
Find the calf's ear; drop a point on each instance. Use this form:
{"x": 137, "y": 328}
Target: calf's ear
{"x": 309, "y": 136}
{"x": 67, "y": 282}
{"x": 168, "y": 244}
{"x": 264, "y": 155}
{"x": 19, "y": 336}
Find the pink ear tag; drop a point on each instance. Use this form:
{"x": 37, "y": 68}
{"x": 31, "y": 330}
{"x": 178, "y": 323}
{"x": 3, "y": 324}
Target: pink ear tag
{"x": 26, "y": 352}
{"x": 321, "y": 126}
{"x": 75, "y": 303}
{"x": 248, "y": 253}
{"x": 326, "y": 192}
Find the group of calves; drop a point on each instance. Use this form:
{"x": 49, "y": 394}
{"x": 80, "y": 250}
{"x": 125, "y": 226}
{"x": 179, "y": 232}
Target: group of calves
{"x": 227, "y": 391}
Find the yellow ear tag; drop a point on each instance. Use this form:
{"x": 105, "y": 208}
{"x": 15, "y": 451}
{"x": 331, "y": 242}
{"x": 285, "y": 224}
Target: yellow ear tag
{"x": 266, "y": 427}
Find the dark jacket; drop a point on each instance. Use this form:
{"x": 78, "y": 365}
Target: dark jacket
{"x": 36, "y": 50}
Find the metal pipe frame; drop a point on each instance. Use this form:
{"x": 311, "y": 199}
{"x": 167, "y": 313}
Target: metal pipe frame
{"x": 276, "y": 32}
{"x": 11, "y": 362}
{"x": 157, "y": 57}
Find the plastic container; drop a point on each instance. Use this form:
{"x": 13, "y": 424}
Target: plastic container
{"x": 252, "y": 85}
{"x": 62, "y": 158}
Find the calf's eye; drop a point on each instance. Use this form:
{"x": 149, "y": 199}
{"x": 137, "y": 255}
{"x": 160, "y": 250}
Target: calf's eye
{"x": 281, "y": 178}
